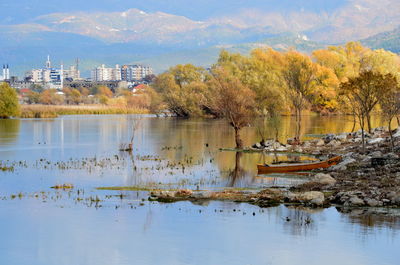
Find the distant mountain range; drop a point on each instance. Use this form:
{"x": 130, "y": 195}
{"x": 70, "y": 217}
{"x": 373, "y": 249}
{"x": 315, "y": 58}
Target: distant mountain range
{"x": 162, "y": 34}
{"x": 389, "y": 40}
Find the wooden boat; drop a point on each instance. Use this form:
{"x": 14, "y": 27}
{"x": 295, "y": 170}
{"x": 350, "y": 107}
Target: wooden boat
{"x": 283, "y": 168}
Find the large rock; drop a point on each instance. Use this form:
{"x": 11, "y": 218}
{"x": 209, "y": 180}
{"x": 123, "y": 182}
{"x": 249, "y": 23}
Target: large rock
{"x": 298, "y": 149}
{"x": 328, "y": 138}
{"x": 312, "y": 197}
{"x": 267, "y": 143}
{"x": 372, "y": 202}
{"x": 324, "y": 179}
{"x": 282, "y": 149}
{"x": 376, "y": 154}
{"x": 394, "y": 197}
{"x": 276, "y": 145}
{"x": 391, "y": 155}
{"x": 334, "y": 143}
{"x": 355, "y": 201}
{"x": 376, "y": 140}
{"x": 320, "y": 142}
{"x": 341, "y": 137}
{"x": 343, "y": 165}
{"x": 201, "y": 194}
{"x": 397, "y": 134}
{"x": 257, "y": 145}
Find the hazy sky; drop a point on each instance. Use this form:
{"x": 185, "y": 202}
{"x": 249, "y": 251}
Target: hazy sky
{"x": 19, "y": 11}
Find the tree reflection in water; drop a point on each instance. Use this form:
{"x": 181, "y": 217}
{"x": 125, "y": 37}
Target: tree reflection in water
{"x": 239, "y": 177}
{"x": 372, "y": 217}
{"x": 299, "y": 220}
{"x": 9, "y": 130}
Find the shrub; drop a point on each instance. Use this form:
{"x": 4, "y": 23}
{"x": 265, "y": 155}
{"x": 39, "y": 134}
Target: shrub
{"x": 9, "y": 105}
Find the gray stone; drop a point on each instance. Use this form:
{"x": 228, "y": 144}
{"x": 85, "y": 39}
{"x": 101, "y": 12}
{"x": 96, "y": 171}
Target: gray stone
{"x": 391, "y": 155}
{"x": 347, "y": 161}
{"x": 376, "y": 140}
{"x": 276, "y": 145}
{"x": 372, "y": 202}
{"x": 201, "y": 194}
{"x": 320, "y": 143}
{"x": 376, "y": 154}
{"x": 306, "y": 144}
{"x": 355, "y": 201}
{"x": 282, "y": 149}
{"x": 334, "y": 143}
{"x": 328, "y": 138}
{"x": 298, "y": 149}
{"x": 366, "y": 159}
{"x": 341, "y": 137}
{"x": 397, "y": 134}
{"x": 324, "y": 179}
{"x": 268, "y": 143}
{"x": 312, "y": 197}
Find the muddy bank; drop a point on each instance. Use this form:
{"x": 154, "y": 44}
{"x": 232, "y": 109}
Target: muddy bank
{"x": 264, "y": 198}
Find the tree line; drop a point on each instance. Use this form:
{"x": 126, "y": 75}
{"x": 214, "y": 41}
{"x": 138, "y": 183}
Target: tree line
{"x": 348, "y": 79}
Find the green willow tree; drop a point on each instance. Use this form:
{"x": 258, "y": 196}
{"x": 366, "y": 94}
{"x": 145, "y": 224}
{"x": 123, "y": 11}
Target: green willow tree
{"x": 184, "y": 90}
{"x": 261, "y": 72}
{"x": 9, "y": 105}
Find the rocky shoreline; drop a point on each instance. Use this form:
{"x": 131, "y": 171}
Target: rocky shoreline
{"x": 364, "y": 178}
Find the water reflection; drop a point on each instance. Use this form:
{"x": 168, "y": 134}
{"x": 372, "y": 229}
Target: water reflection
{"x": 184, "y": 152}
{"x": 370, "y": 218}
{"x": 238, "y": 174}
{"x": 299, "y": 221}
{"x": 181, "y": 152}
{"x": 9, "y": 130}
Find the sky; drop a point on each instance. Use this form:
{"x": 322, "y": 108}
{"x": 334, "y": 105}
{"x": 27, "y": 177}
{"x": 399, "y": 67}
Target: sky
{"x": 20, "y": 11}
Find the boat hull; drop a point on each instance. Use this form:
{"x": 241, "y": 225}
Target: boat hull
{"x": 265, "y": 169}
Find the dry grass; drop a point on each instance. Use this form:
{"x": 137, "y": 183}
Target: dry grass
{"x": 53, "y": 111}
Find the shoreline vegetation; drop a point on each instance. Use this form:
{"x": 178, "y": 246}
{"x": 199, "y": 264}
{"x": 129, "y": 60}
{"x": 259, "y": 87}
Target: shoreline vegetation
{"x": 53, "y": 111}
{"x": 357, "y": 181}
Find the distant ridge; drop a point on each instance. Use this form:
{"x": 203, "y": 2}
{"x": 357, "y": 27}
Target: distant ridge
{"x": 389, "y": 40}
{"x": 163, "y": 33}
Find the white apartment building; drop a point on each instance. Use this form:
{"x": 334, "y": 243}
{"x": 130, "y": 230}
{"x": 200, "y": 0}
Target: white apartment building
{"x": 72, "y": 73}
{"x": 103, "y": 73}
{"x": 135, "y": 72}
{"x": 6, "y": 73}
{"x": 48, "y": 76}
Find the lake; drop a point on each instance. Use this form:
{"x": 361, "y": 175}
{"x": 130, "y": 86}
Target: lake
{"x": 40, "y": 225}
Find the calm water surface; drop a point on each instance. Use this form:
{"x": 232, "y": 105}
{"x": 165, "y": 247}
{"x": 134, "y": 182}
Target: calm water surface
{"x": 40, "y": 225}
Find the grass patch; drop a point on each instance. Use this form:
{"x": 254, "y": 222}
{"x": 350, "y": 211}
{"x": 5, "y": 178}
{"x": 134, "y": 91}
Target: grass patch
{"x": 53, "y": 111}
{"x": 4, "y": 169}
{"x": 134, "y": 188}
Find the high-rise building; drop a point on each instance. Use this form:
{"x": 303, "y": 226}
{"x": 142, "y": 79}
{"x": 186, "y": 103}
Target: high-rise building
{"x": 135, "y": 72}
{"x": 48, "y": 76}
{"x": 103, "y": 73}
{"x": 6, "y": 73}
{"x": 72, "y": 73}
